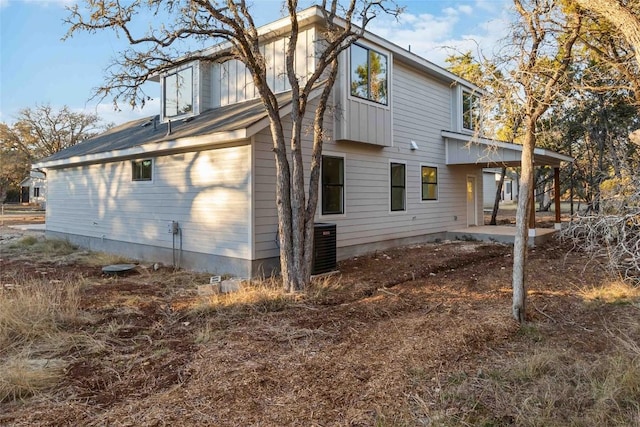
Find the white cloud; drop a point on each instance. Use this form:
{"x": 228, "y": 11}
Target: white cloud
{"x": 47, "y": 3}
{"x": 466, "y": 9}
{"x": 434, "y": 37}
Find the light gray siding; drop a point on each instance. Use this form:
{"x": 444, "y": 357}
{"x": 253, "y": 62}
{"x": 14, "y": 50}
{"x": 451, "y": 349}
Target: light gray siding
{"x": 207, "y": 192}
{"x": 421, "y": 109}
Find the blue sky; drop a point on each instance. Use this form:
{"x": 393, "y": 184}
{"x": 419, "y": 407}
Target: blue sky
{"x": 37, "y": 67}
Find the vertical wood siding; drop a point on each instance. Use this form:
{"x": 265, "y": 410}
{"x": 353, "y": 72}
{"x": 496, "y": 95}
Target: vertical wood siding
{"x": 231, "y": 82}
{"x": 207, "y": 192}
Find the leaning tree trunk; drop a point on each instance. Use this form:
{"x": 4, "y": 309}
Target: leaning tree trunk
{"x": 522, "y": 228}
{"x": 496, "y": 202}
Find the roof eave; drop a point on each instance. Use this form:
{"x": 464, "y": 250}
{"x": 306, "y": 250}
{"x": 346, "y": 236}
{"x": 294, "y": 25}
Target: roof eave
{"x": 163, "y": 147}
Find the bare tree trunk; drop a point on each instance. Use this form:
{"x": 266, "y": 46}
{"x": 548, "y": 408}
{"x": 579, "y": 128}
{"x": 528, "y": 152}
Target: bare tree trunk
{"x": 496, "y": 202}
{"x": 522, "y": 226}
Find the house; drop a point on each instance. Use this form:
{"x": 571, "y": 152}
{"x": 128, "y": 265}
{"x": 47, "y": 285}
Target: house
{"x": 196, "y": 183}
{"x": 33, "y": 189}
{"x": 490, "y": 181}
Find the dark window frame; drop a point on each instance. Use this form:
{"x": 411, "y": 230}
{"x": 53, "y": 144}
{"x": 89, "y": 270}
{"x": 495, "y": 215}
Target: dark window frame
{"x": 395, "y": 186}
{"x": 369, "y": 96}
{"x": 138, "y": 169}
{"x": 327, "y": 187}
{"x": 428, "y": 184}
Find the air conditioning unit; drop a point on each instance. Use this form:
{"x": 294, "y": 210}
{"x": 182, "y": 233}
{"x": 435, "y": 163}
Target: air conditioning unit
{"x": 324, "y": 248}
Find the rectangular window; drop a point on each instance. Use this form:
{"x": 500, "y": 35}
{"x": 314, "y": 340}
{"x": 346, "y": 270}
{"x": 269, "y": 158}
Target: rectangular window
{"x": 398, "y": 186}
{"x": 141, "y": 170}
{"x": 332, "y": 185}
{"x": 429, "y": 183}
{"x": 178, "y": 93}
{"x": 470, "y": 111}
{"x": 368, "y": 74}
{"x": 36, "y": 191}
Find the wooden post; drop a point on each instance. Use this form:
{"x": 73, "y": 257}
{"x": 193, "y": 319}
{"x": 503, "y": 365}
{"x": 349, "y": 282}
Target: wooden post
{"x": 556, "y": 193}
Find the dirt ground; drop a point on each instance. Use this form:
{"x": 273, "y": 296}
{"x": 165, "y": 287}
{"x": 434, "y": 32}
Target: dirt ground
{"x": 368, "y": 346}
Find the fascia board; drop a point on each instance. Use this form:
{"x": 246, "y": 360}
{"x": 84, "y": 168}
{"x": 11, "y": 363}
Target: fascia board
{"x": 148, "y": 149}
{"x": 507, "y": 145}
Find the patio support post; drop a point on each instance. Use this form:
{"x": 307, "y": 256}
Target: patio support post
{"x": 556, "y": 193}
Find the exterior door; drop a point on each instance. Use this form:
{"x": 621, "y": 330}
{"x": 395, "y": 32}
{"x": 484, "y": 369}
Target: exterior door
{"x": 472, "y": 205}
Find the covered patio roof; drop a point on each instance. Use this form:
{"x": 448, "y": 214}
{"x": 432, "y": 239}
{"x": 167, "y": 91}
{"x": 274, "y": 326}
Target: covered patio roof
{"x": 464, "y": 149}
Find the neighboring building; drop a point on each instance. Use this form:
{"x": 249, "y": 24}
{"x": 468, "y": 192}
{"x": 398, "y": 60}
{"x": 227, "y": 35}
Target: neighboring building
{"x": 399, "y": 168}
{"x": 490, "y": 181}
{"x": 33, "y": 189}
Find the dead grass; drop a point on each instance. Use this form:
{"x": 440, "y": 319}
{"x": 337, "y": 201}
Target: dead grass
{"x": 40, "y": 245}
{"x": 260, "y": 296}
{"x": 101, "y": 259}
{"x": 420, "y": 336}
{"x": 22, "y": 376}
{"x": 548, "y": 387}
{"x": 34, "y": 316}
{"x": 611, "y": 292}
{"x": 37, "y": 309}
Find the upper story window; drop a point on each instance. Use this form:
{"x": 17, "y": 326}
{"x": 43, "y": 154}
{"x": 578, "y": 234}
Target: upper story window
{"x": 332, "y": 185}
{"x": 141, "y": 170}
{"x": 369, "y": 74}
{"x": 470, "y": 111}
{"x": 178, "y": 93}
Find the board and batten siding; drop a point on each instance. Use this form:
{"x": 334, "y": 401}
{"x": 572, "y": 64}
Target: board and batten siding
{"x": 421, "y": 109}
{"x": 359, "y": 119}
{"x": 231, "y": 82}
{"x": 207, "y": 192}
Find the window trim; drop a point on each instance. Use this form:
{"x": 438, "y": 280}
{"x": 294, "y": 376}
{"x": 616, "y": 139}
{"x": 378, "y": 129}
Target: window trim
{"x": 164, "y": 93}
{"x": 437, "y": 183}
{"x": 139, "y": 161}
{"x": 391, "y": 187}
{"x": 388, "y": 57}
{"x": 344, "y": 186}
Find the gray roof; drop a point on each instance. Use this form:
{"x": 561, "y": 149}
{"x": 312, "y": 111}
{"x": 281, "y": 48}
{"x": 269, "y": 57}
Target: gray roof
{"x": 150, "y": 130}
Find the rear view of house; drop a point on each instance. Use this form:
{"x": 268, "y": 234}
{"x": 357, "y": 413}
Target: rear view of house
{"x": 195, "y": 184}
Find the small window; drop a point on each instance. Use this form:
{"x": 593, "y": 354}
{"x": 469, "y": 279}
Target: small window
{"x": 178, "y": 93}
{"x": 398, "y": 186}
{"x": 36, "y": 192}
{"x": 332, "y": 185}
{"x": 470, "y": 111}
{"x": 368, "y": 74}
{"x": 141, "y": 170}
{"x": 429, "y": 183}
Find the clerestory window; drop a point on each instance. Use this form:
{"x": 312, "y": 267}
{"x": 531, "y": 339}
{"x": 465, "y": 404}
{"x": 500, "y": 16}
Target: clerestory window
{"x": 470, "y": 111}
{"x": 178, "y": 93}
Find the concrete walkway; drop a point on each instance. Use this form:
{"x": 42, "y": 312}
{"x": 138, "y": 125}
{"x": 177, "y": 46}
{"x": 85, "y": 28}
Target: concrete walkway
{"x": 28, "y": 227}
{"x": 498, "y": 233}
